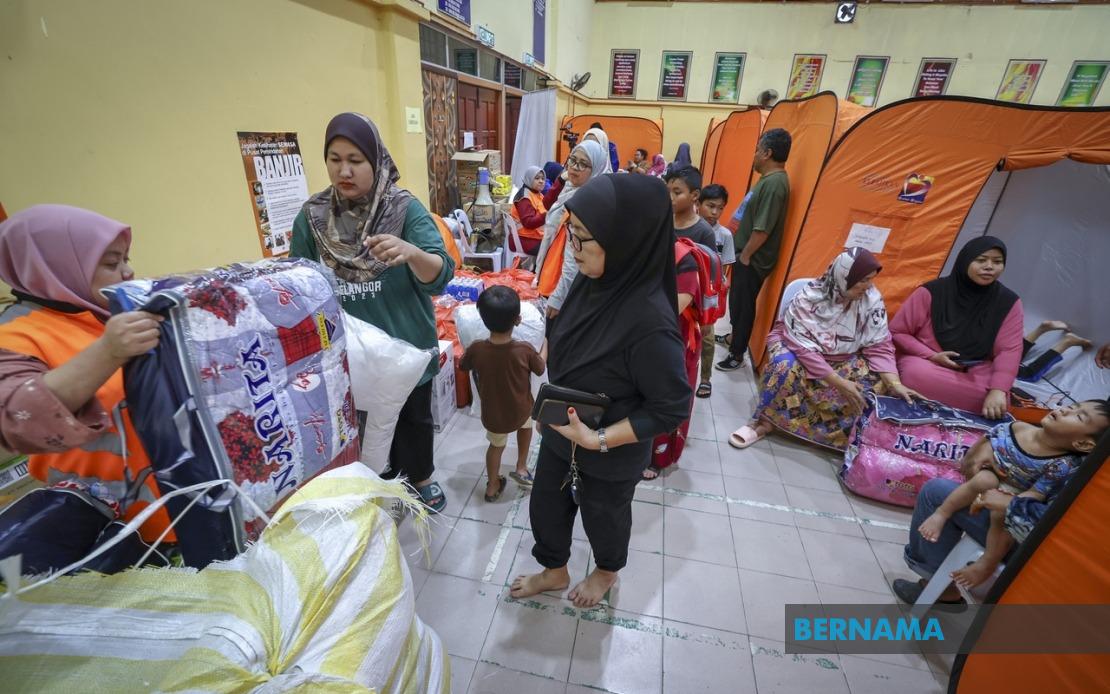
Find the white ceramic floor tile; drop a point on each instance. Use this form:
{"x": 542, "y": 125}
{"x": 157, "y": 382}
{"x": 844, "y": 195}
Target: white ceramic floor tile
{"x": 840, "y": 595}
{"x": 439, "y": 530}
{"x": 734, "y": 406}
{"x": 696, "y": 491}
{"x": 697, "y": 660}
{"x": 445, "y": 598}
{"x": 533, "y": 636}
{"x": 700, "y": 536}
{"x": 765, "y": 598}
{"x": 760, "y": 492}
{"x": 462, "y": 669}
{"x": 843, "y": 561}
{"x": 874, "y": 677}
{"x": 804, "y": 469}
{"x": 701, "y": 427}
{"x": 650, "y": 491}
{"x": 647, "y": 527}
{"x": 834, "y": 504}
{"x": 757, "y": 462}
{"x": 891, "y": 558}
{"x": 457, "y": 486}
{"x": 471, "y": 548}
{"x": 878, "y": 511}
{"x": 640, "y": 588}
{"x": 770, "y": 548}
{"x": 491, "y": 679}
{"x": 496, "y": 512}
{"x": 778, "y": 672}
{"x": 703, "y": 594}
{"x": 701, "y": 455}
{"x": 625, "y": 655}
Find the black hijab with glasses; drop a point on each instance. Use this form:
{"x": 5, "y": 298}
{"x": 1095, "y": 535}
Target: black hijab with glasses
{"x": 631, "y": 219}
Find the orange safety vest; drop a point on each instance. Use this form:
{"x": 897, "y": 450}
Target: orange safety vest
{"x": 552, "y": 268}
{"x": 537, "y": 202}
{"x": 448, "y": 240}
{"x": 54, "y": 338}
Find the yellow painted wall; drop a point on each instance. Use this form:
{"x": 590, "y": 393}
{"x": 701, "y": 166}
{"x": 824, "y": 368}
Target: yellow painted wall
{"x": 983, "y": 38}
{"x": 131, "y": 107}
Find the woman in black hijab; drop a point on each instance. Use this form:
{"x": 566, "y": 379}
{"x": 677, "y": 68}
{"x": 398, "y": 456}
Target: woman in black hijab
{"x": 959, "y": 338}
{"x": 617, "y": 334}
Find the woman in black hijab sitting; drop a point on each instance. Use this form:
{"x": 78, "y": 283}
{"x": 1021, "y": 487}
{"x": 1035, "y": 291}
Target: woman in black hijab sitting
{"x": 617, "y": 334}
{"x": 959, "y": 338}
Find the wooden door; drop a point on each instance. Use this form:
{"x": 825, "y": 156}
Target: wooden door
{"x": 512, "y": 120}
{"x": 441, "y": 131}
{"x": 489, "y": 119}
{"x": 468, "y": 113}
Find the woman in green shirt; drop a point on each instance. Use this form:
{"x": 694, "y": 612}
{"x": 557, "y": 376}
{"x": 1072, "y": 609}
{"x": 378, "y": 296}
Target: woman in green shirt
{"x": 389, "y": 260}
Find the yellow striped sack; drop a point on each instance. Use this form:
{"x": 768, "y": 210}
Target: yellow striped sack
{"x": 323, "y": 602}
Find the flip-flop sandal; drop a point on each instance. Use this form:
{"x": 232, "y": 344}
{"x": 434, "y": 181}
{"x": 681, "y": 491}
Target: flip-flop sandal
{"x": 704, "y": 390}
{"x": 655, "y": 472}
{"x": 526, "y": 480}
{"x": 721, "y": 339}
{"x": 743, "y": 437}
{"x": 501, "y": 481}
{"x": 433, "y": 497}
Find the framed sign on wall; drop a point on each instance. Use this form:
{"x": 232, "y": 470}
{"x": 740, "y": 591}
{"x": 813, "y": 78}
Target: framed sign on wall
{"x": 728, "y": 71}
{"x": 674, "y": 75}
{"x": 622, "y": 73}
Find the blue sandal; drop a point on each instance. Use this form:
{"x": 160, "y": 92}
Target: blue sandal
{"x": 433, "y": 497}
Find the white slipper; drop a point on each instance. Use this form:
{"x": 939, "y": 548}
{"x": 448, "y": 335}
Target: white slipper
{"x": 743, "y": 437}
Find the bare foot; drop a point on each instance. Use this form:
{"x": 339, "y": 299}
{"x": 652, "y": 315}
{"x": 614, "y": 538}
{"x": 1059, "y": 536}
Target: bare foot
{"x": 651, "y": 473}
{"x": 932, "y": 527}
{"x": 973, "y": 574}
{"x": 1050, "y": 325}
{"x": 590, "y": 591}
{"x": 533, "y": 584}
{"x": 1073, "y": 340}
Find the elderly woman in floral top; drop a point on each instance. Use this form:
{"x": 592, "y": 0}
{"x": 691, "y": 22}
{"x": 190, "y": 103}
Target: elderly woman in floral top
{"x": 61, "y": 354}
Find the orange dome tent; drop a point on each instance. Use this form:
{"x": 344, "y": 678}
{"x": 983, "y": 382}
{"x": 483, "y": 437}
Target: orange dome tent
{"x": 727, "y": 156}
{"x": 626, "y": 132}
{"x": 906, "y": 177}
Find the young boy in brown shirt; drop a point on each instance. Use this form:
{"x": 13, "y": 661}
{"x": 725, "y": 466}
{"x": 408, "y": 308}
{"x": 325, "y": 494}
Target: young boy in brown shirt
{"x": 502, "y": 368}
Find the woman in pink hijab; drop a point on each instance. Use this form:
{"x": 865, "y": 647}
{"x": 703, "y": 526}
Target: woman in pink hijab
{"x": 658, "y": 165}
{"x": 61, "y": 354}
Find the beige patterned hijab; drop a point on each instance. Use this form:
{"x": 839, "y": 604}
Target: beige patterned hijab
{"x": 339, "y": 226}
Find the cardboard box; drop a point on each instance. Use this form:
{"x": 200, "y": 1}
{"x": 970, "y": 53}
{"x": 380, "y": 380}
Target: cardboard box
{"x": 466, "y": 170}
{"x": 443, "y": 388}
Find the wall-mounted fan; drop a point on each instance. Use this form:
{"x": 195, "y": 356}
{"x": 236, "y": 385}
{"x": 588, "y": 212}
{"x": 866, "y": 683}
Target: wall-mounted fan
{"x": 579, "y": 81}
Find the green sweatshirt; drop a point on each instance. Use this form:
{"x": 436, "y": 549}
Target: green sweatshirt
{"x": 396, "y": 301}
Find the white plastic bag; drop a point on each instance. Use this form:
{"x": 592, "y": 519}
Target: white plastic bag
{"x": 384, "y": 370}
{"x": 471, "y": 329}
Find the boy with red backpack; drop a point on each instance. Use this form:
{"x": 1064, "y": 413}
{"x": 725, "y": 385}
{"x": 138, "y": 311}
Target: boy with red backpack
{"x": 699, "y": 279}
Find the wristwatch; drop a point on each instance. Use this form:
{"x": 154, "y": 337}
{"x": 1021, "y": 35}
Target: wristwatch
{"x": 603, "y": 445}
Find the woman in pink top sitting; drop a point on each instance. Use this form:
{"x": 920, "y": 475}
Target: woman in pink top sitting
{"x": 959, "y": 338}
{"x": 831, "y": 347}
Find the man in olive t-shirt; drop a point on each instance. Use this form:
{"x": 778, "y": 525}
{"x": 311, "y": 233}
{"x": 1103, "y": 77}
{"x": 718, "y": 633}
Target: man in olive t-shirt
{"x": 758, "y": 240}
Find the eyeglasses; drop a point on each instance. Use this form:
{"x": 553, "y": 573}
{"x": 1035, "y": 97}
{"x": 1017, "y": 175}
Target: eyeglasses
{"x": 576, "y": 241}
{"x": 579, "y": 164}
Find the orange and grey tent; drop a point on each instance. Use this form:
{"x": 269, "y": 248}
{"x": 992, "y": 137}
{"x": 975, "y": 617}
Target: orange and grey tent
{"x": 812, "y": 124}
{"x": 1064, "y": 561}
{"x": 912, "y": 179}
{"x": 628, "y": 133}
{"x": 726, "y": 158}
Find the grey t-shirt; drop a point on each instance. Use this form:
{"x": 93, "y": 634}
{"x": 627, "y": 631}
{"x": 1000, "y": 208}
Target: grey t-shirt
{"x": 699, "y": 232}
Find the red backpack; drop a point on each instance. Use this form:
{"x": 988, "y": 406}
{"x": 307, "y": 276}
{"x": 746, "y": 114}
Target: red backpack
{"x": 711, "y": 279}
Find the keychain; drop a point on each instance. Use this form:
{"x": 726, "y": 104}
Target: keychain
{"x": 572, "y": 476}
